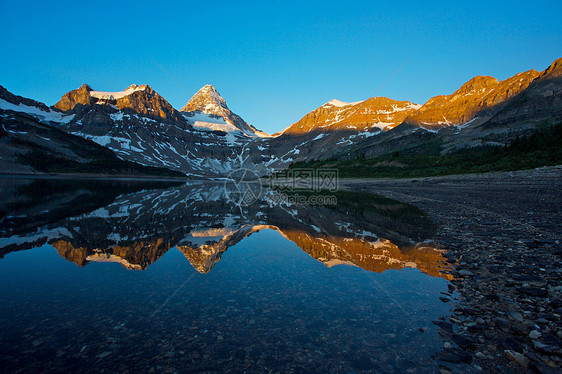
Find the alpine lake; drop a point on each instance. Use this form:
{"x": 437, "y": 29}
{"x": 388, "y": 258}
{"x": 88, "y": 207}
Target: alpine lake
{"x": 161, "y": 276}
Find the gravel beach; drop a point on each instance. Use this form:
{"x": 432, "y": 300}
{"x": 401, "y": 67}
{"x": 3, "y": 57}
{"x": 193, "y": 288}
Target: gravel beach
{"x": 503, "y": 234}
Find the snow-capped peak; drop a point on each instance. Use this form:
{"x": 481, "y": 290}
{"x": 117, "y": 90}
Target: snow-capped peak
{"x": 117, "y": 95}
{"x": 208, "y": 102}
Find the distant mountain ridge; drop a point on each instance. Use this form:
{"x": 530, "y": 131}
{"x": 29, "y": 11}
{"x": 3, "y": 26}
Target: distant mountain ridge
{"x": 480, "y": 94}
{"x": 482, "y": 112}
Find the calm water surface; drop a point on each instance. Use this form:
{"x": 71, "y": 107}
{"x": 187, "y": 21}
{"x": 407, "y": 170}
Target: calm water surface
{"x": 130, "y": 277}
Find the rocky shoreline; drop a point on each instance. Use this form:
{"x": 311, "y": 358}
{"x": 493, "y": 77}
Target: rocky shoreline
{"x": 503, "y": 234}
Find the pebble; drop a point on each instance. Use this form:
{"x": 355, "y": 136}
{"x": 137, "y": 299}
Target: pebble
{"x": 38, "y": 342}
{"x": 517, "y": 357}
{"x": 465, "y": 273}
{"x": 104, "y": 354}
{"x": 516, "y": 316}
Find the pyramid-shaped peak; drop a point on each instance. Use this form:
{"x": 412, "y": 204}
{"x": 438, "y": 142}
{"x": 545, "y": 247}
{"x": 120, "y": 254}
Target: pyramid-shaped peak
{"x": 207, "y": 100}
{"x": 209, "y": 92}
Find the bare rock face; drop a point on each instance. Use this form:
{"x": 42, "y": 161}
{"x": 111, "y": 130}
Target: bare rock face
{"x": 554, "y": 70}
{"x": 541, "y": 101}
{"x": 148, "y": 102}
{"x": 480, "y": 95}
{"x": 525, "y": 98}
{"x": 377, "y": 112}
{"x": 66, "y": 250}
{"x": 74, "y": 97}
{"x": 208, "y": 100}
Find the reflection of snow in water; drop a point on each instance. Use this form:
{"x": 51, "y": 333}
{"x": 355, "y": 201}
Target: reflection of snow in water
{"x": 319, "y": 285}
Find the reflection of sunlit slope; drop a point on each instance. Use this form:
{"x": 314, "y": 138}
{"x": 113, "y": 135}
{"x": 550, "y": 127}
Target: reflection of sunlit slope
{"x": 204, "y": 248}
{"x": 207, "y": 246}
{"x": 376, "y": 256}
{"x": 137, "y": 255}
{"x": 78, "y": 255}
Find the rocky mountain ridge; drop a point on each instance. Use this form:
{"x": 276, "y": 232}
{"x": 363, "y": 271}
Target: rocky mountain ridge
{"x": 482, "y": 112}
{"x": 142, "y": 100}
{"x": 479, "y": 95}
{"x": 140, "y": 125}
{"x": 206, "y": 139}
{"x": 372, "y": 114}
{"x": 29, "y": 144}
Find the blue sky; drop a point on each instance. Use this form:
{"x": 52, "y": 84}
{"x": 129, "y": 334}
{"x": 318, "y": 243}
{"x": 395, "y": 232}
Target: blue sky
{"x": 273, "y": 61}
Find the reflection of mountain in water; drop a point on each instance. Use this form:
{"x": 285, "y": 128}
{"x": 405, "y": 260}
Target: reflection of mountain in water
{"x": 137, "y": 255}
{"x": 135, "y": 225}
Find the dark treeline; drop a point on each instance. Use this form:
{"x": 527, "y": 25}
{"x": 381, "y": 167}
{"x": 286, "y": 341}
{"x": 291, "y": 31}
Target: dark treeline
{"x": 542, "y": 148}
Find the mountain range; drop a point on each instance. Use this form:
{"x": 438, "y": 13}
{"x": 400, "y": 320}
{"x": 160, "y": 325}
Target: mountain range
{"x": 206, "y": 139}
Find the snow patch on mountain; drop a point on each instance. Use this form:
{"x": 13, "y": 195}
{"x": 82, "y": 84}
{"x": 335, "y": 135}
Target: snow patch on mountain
{"x": 381, "y": 125}
{"x": 117, "y": 116}
{"x": 320, "y": 136}
{"x": 46, "y": 234}
{"x": 50, "y": 116}
{"x": 396, "y": 108}
{"x": 338, "y": 103}
{"x": 117, "y": 95}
